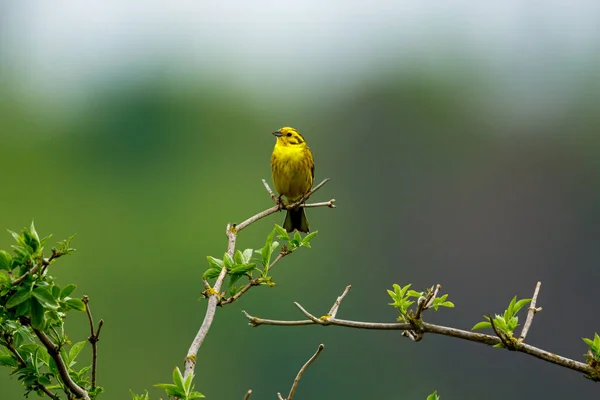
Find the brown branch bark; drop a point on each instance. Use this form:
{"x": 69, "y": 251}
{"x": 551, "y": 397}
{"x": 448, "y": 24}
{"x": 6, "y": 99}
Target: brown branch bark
{"x": 54, "y": 352}
{"x": 300, "y": 373}
{"x": 425, "y": 327}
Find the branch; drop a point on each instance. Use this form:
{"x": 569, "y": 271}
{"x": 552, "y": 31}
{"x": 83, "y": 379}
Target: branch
{"x": 214, "y": 293}
{"x": 531, "y": 312}
{"x": 248, "y": 394}
{"x": 54, "y": 352}
{"x": 93, "y": 339}
{"x": 23, "y": 364}
{"x": 255, "y": 281}
{"x": 301, "y": 372}
{"x": 334, "y": 309}
{"x": 45, "y": 263}
{"x": 425, "y": 327}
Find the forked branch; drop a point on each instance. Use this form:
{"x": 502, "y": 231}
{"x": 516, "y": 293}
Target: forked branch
{"x": 425, "y": 327}
{"x": 214, "y": 293}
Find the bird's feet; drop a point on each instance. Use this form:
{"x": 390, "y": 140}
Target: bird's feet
{"x": 280, "y": 203}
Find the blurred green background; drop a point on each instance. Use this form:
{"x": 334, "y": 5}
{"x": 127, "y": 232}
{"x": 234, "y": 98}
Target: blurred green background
{"x": 462, "y": 144}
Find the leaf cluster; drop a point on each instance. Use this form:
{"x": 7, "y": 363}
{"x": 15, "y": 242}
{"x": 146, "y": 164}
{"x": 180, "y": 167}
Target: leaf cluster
{"x": 255, "y": 264}
{"x": 181, "y": 388}
{"x": 403, "y": 301}
{"x": 32, "y": 303}
{"x": 593, "y": 353}
{"x": 507, "y": 322}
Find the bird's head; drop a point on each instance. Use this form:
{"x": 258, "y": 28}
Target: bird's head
{"x": 287, "y": 136}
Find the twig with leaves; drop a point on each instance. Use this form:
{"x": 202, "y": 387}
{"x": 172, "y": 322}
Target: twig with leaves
{"x": 410, "y": 321}
{"x": 237, "y": 264}
{"x": 32, "y": 313}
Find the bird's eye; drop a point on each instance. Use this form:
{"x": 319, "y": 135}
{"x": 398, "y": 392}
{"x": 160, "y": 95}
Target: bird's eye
{"x": 289, "y": 134}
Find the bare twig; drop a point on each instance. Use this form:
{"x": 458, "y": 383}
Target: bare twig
{"x": 531, "y": 312}
{"x": 214, "y": 293}
{"x": 93, "y": 338}
{"x": 427, "y": 301}
{"x": 271, "y": 193}
{"x": 54, "y": 352}
{"x": 300, "y": 373}
{"x": 338, "y": 301}
{"x": 321, "y": 204}
{"x": 426, "y": 327}
{"x": 249, "y": 392}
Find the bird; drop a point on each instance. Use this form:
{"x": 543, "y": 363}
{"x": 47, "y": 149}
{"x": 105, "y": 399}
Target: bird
{"x": 293, "y": 172}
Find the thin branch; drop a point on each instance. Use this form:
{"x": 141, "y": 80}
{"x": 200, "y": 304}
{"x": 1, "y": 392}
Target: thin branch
{"x": 334, "y": 309}
{"x": 301, "y": 372}
{"x": 249, "y": 392}
{"x": 271, "y": 193}
{"x": 9, "y": 346}
{"x": 427, "y": 301}
{"x": 321, "y": 204}
{"x": 531, "y": 312}
{"x": 44, "y": 264}
{"x": 47, "y": 391}
{"x": 54, "y": 352}
{"x": 426, "y": 327}
{"x": 255, "y": 281}
{"x": 214, "y": 293}
{"x": 93, "y": 338}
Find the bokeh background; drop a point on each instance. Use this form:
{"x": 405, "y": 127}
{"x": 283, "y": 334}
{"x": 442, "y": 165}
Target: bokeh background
{"x": 461, "y": 139}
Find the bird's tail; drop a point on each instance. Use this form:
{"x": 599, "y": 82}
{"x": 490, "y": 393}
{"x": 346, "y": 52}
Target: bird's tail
{"x": 296, "y": 219}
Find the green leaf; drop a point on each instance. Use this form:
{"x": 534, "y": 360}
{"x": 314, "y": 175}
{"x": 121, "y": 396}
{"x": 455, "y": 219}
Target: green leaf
{"x": 589, "y": 342}
{"x": 271, "y": 236}
{"x": 20, "y": 296}
{"x": 309, "y": 237}
{"x": 74, "y": 352}
{"x": 195, "y": 395}
{"x": 414, "y": 293}
{"x": 404, "y": 290}
{"x": 282, "y": 233}
{"x": 433, "y": 396}
{"x": 211, "y": 273}
{"x": 481, "y": 325}
{"x": 67, "y": 290}
{"x": 448, "y": 304}
{"x": 242, "y": 268}
{"x": 246, "y": 256}
{"x": 44, "y": 295}
{"x": 5, "y": 260}
{"x": 7, "y": 360}
{"x": 34, "y": 232}
{"x": 178, "y": 378}
{"x": 4, "y": 279}
{"x": 297, "y": 237}
{"x": 171, "y": 390}
{"x": 215, "y": 262}
{"x": 144, "y": 396}
{"x": 238, "y": 257}
{"x": 76, "y": 304}
{"x": 510, "y": 311}
{"x": 37, "y": 315}
{"x": 228, "y": 260}
{"x": 519, "y": 304}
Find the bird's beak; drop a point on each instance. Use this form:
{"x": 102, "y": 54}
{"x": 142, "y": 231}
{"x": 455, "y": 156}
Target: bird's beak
{"x": 278, "y": 134}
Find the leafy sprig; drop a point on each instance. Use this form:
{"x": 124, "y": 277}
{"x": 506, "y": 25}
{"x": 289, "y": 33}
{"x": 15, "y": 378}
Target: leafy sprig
{"x": 505, "y": 323}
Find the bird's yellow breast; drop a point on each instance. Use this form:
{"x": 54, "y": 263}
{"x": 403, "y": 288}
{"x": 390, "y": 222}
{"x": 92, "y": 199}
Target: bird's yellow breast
{"x": 292, "y": 168}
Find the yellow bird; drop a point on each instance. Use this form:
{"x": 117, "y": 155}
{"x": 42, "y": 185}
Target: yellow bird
{"x": 293, "y": 172}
